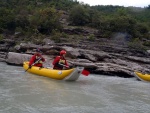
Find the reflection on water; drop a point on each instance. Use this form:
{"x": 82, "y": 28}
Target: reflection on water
{"x": 22, "y": 92}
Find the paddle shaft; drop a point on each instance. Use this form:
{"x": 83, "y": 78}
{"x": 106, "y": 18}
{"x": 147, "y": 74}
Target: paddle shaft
{"x": 63, "y": 65}
{"x": 84, "y": 72}
{"x": 34, "y": 63}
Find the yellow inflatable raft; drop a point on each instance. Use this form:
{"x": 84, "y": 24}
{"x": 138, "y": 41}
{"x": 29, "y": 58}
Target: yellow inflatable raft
{"x": 143, "y": 77}
{"x": 70, "y": 74}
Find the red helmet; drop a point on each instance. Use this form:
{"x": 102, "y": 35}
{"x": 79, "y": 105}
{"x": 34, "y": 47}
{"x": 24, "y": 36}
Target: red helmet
{"x": 62, "y": 52}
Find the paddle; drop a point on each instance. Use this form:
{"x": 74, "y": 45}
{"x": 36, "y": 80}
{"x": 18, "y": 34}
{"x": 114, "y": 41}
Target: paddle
{"x": 34, "y": 63}
{"x": 84, "y": 72}
{"x": 63, "y": 65}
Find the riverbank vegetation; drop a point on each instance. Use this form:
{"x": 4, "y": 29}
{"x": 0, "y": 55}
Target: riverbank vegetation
{"x": 33, "y": 20}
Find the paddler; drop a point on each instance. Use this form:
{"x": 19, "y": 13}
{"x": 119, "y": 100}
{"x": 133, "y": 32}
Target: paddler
{"x": 60, "y": 61}
{"x": 36, "y": 57}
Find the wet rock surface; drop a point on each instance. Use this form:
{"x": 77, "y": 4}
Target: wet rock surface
{"x": 96, "y": 61}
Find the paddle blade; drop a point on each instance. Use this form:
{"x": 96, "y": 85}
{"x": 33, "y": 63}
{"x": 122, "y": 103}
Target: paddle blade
{"x": 85, "y": 72}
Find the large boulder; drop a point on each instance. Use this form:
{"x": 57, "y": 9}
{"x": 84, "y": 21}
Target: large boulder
{"x": 17, "y": 58}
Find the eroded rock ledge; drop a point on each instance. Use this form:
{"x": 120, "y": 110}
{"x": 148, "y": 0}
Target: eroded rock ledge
{"x": 96, "y": 61}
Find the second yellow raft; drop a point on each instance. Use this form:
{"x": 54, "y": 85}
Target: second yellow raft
{"x": 143, "y": 77}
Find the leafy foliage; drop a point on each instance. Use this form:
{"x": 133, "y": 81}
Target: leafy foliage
{"x": 45, "y": 20}
{"x": 32, "y": 17}
{"x": 79, "y": 15}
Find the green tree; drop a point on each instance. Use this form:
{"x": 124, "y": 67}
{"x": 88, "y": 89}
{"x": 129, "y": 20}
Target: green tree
{"x": 45, "y": 20}
{"x": 79, "y": 15}
{"x": 7, "y": 19}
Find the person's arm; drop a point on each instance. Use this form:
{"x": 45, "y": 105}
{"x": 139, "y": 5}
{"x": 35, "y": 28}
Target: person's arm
{"x": 56, "y": 60}
{"x": 32, "y": 60}
{"x": 66, "y": 63}
{"x": 43, "y": 59}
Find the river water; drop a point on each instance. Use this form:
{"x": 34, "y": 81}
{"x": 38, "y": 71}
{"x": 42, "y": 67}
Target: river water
{"x": 21, "y": 92}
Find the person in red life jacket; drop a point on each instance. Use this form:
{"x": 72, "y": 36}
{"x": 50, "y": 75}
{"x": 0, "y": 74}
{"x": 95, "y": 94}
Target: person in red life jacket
{"x": 60, "y": 62}
{"x": 35, "y": 58}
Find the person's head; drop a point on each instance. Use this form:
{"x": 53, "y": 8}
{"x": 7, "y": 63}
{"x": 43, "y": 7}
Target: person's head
{"x": 37, "y": 51}
{"x": 62, "y": 53}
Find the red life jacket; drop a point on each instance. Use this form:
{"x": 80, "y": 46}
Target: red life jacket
{"x": 34, "y": 58}
{"x": 58, "y": 61}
